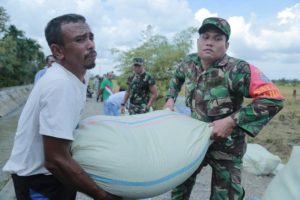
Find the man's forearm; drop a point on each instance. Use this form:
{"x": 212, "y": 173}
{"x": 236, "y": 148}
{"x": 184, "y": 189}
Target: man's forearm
{"x": 60, "y": 163}
{"x": 70, "y": 173}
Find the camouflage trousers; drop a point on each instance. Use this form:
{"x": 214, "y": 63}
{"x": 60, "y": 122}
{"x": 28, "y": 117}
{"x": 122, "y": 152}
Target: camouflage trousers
{"x": 225, "y": 159}
{"x": 137, "y": 109}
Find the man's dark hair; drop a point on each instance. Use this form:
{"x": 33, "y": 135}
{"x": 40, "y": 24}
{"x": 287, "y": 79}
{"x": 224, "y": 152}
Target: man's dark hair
{"x": 53, "y": 28}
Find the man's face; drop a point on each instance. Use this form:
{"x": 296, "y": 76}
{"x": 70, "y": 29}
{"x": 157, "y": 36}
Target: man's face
{"x": 138, "y": 69}
{"x": 110, "y": 75}
{"x": 212, "y": 45}
{"x": 79, "y": 48}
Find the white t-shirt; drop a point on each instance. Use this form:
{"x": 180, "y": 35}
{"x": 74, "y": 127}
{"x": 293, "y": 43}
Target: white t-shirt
{"x": 117, "y": 98}
{"x": 53, "y": 108}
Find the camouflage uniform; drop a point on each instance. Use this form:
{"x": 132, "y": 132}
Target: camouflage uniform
{"x": 139, "y": 93}
{"x": 217, "y": 93}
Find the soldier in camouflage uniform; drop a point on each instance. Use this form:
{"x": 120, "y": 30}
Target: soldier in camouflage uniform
{"x": 141, "y": 90}
{"x": 216, "y": 85}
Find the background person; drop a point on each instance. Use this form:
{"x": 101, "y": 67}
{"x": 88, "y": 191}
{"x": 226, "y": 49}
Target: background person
{"x": 294, "y": 94}
{"x": 49, "y": 60}
{"x": 216, "y": 85}
{"x": 114, "y": 102}
{"x": 106, "y": 89}
{"x": 99, "y": 96}
{"x": 40, "y": 163}
{"x": 141, "y": 91}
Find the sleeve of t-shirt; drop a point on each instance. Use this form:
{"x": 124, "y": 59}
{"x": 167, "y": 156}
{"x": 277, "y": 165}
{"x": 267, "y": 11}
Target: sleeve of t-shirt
{"x": 59, "y": 112}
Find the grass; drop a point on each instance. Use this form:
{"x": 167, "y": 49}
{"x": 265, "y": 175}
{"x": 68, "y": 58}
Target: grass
{"x": 283, "y": 131}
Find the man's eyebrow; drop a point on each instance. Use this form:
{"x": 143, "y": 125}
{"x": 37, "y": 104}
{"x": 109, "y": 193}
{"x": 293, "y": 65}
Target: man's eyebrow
{"x": 83, "y": 35}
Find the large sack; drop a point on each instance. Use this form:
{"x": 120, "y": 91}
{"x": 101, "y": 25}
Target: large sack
{"x": 259, "y": 161}
{"x": 286, "y": 184}
{"x": 140, "y": 156}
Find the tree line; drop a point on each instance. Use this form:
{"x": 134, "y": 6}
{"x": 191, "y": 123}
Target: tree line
{"x": 20, "y": 57}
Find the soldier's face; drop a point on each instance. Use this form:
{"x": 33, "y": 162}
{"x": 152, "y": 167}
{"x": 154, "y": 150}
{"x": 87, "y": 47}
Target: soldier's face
{"x": 212, "y": 45}
{"x": 139, "y": 69}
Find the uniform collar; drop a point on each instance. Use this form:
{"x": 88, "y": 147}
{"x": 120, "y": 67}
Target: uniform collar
{"x": 136, "y": 74}
{"x": 217, "y": 64}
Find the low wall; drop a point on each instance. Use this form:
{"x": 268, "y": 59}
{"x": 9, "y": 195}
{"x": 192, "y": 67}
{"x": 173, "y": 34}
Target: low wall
{"x": 12, "y": 98}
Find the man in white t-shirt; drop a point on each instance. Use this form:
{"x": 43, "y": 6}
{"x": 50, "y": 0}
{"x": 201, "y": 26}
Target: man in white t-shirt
{"x": 40, "y": 163}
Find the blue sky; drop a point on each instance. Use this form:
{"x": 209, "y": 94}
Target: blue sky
{"x": 265, "y": 33}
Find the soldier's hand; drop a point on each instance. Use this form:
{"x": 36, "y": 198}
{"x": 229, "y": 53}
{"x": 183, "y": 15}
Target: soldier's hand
{"x": 169, "y": 104}
{"x": 122, "y": 109}
{"x": 146, "y": 109}
{"x": 222, "y": 128}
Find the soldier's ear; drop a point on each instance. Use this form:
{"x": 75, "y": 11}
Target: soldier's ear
{"x": 227, "y": 45}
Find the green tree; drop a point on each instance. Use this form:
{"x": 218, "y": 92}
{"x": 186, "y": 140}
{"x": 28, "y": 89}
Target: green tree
{"x": 20, "y": 57}
{"x": 3, "y": 19}
{"x": 160, "y": 54}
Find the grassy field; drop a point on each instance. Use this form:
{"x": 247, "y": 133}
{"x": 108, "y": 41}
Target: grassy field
{"x": 283, "y": 131}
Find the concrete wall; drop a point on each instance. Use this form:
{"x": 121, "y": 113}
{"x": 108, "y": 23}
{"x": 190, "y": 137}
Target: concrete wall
{"x": 13, "y": 97}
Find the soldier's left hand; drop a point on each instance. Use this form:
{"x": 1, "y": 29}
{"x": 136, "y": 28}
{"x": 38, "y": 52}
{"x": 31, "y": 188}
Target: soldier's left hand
{"x": 146, "y": 109}
{"x": 222, "y": 128}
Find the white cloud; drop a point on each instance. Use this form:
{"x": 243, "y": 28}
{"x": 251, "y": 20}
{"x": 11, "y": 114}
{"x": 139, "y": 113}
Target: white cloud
{"x": 119, "y": 23}
{"x": 289, "y": 15}
{"x": 203, "y": 13}
{"x": 115, "y": 23}
{"x": 274, "y": 44}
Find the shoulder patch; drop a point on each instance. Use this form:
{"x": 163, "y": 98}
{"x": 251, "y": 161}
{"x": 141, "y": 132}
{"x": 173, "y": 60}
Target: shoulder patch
{"x": 261, "y": 86}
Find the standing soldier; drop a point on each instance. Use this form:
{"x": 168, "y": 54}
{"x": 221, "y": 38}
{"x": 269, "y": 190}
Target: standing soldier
{"x": 141, "y": 90}
{"x": 216, "y": 86}
{"x": 295, "y": 94}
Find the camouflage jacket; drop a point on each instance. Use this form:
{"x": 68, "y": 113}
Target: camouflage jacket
{"x": 220, "y": 90}
{"x": 139, "y": 93}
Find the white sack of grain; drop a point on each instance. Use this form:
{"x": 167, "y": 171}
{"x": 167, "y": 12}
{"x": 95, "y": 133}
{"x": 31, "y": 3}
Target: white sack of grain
{"x": 140, "y": 156}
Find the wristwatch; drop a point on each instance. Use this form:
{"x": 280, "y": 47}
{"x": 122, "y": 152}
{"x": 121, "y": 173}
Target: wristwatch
{"x": 122, "y": 104}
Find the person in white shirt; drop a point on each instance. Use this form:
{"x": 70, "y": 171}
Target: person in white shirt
{"x": 114, "y": 102}
{"x": 49, "y": 59}
{"x": 40, "y": 163}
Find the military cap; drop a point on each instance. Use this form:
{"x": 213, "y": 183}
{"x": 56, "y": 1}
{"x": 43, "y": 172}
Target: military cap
{"x": 217, "y": 22}
{"x": 138, "y": 61}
